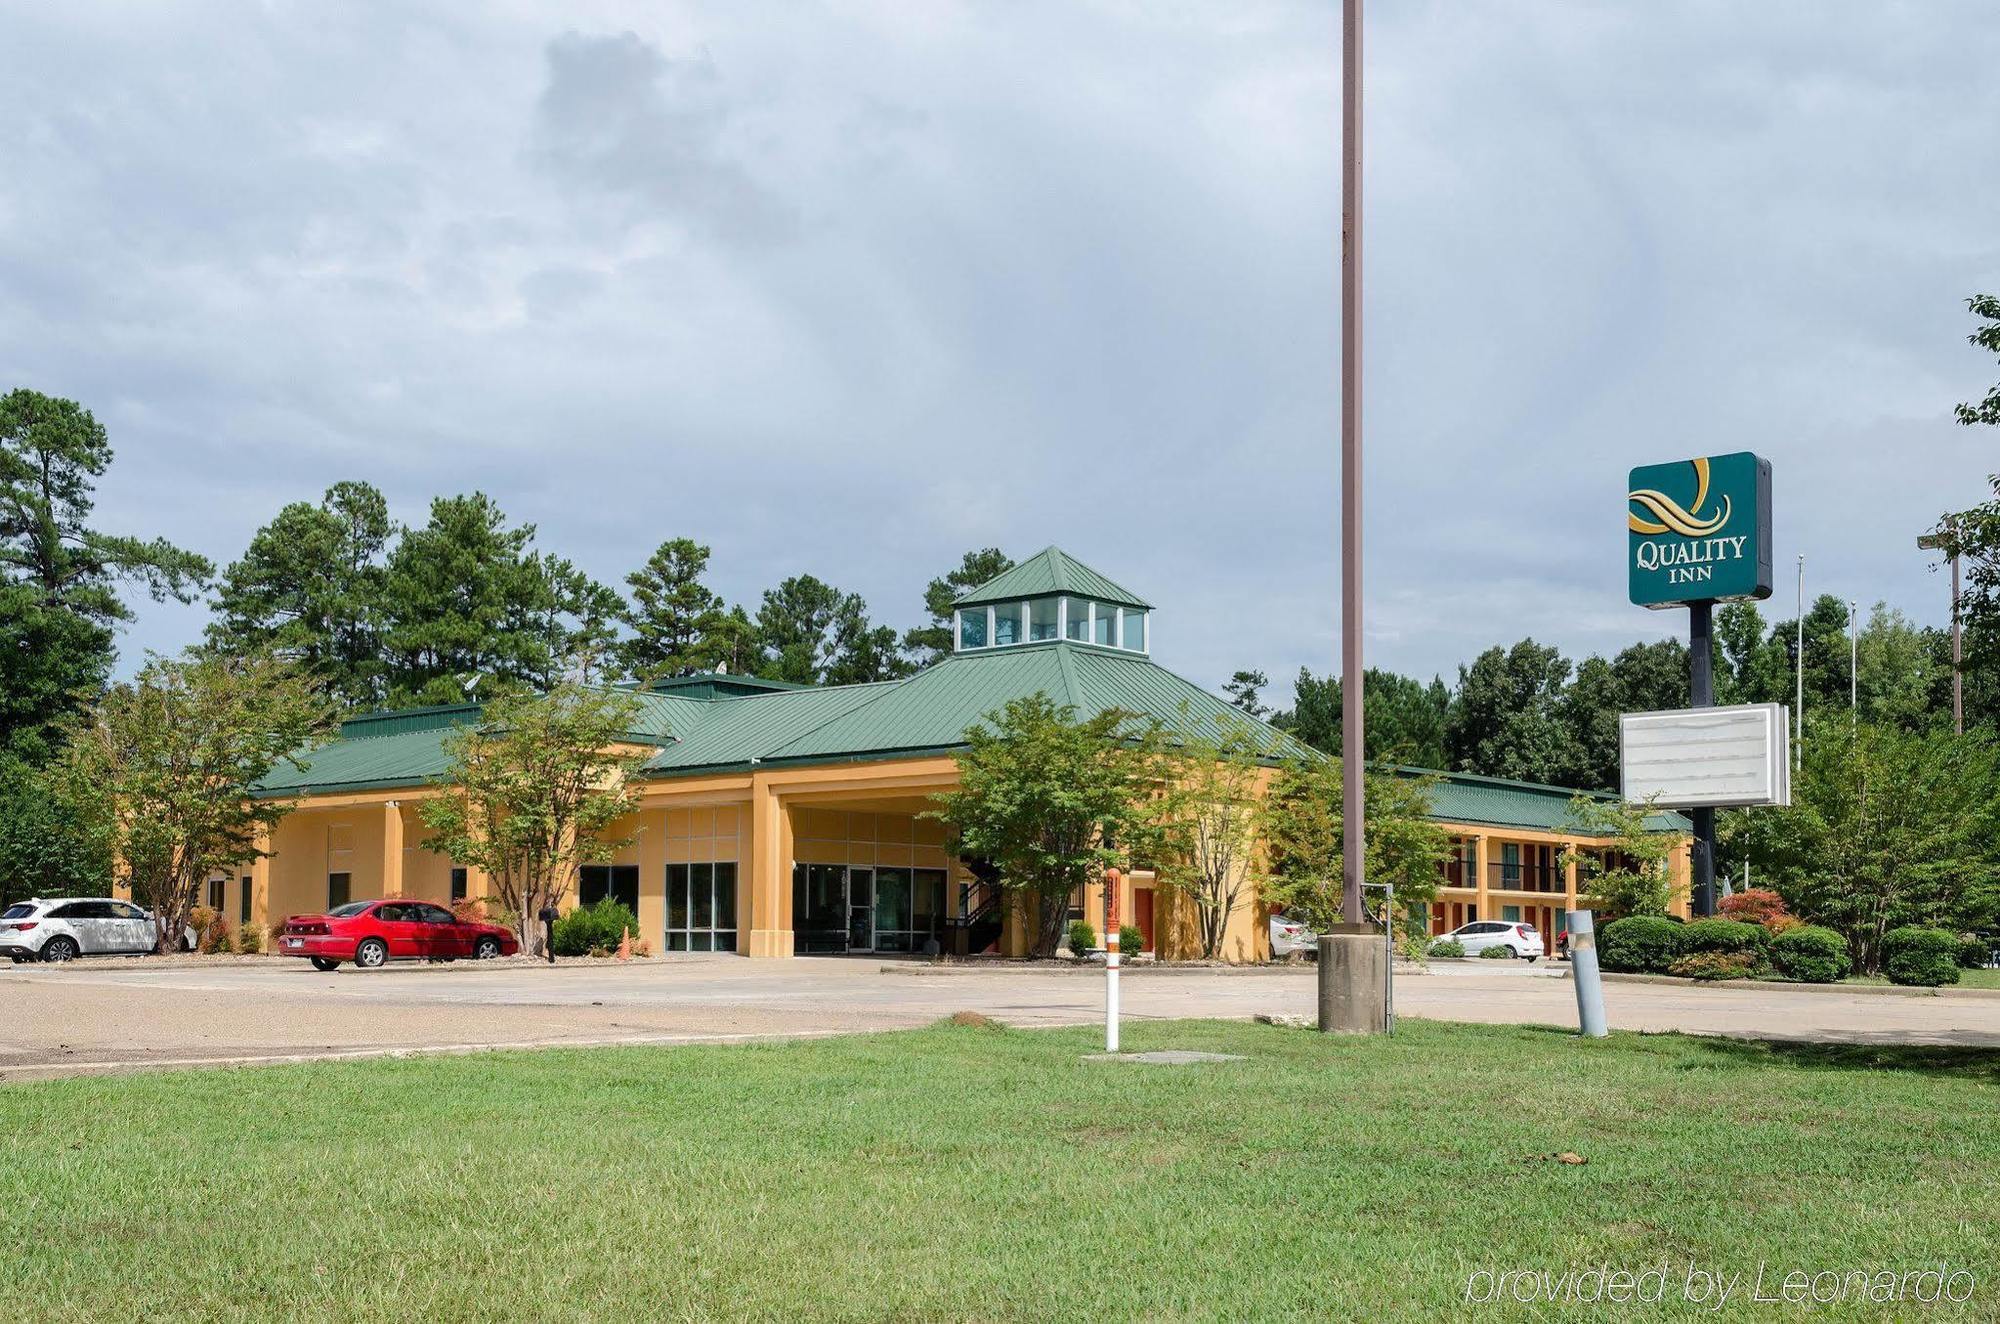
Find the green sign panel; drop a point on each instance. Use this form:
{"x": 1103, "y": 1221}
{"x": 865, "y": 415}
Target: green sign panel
{"x": 1700, "y": 530}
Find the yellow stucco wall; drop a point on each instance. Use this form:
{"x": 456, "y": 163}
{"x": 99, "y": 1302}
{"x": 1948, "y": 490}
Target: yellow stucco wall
{"x": 866, "y": 813}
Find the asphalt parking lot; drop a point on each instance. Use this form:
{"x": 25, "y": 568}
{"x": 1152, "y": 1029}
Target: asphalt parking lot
{"x": 127, "y": 1013}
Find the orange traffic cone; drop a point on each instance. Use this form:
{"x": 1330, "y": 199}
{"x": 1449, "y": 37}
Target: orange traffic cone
{"x": 625, "y": 945}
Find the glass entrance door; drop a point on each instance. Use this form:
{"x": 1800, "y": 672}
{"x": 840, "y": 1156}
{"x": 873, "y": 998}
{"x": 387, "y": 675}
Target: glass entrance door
{"x": 860, "y": 910}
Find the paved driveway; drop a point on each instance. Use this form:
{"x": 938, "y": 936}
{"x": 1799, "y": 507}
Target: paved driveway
{"x": 109, "y": 1015}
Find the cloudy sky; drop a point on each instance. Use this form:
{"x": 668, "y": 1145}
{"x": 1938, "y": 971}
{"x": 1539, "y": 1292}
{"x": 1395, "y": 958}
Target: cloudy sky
{"x": 849, "y": 288}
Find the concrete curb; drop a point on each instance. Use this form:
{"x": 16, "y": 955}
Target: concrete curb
{"x": 927, "y": 970}
{"x": 1787, "y": 986}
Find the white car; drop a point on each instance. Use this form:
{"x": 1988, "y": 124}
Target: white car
{"x": 1520, "y": 939}
{"x": 1291, "y": 938}
{"x": 63, "y": 928}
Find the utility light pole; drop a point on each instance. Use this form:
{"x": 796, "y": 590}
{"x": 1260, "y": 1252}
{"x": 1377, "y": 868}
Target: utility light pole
{"x": 1853, "y": 665}
{"x": 1799, "y": 668}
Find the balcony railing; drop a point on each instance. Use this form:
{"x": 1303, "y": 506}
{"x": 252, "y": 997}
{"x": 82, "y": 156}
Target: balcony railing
{"x": 1525, "y": 876}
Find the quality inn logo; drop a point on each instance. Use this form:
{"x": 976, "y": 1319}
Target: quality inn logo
{"x": 1669, "y": 517}
{"x": 1699, "y": 530}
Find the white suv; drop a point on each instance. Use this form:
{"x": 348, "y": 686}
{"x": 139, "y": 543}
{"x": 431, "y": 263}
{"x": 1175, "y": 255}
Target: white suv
{"x": 62, "y": 928}
{"x": 1519, "y": 939}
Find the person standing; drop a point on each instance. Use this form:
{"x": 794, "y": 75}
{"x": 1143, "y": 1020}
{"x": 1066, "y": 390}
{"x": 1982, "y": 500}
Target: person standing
{"x": 548, "y": 918}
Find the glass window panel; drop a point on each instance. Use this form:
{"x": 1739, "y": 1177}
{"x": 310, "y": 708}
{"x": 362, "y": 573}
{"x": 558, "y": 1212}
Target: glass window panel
{"x": 1007, "y": 623}
{"x": 1078, "y": 610}
{"x": 725, "y": 941}
{"x": 972, "y": 627}
{"x": 1135, "y": 630}
{"x": 625, "y": 885}
{"x": 458, "y": 884}
{"x": 892, "y": 899}
{"x": 677, "y": 896}
{"x": 590, "y": 881}
{"x": 725, "y": 897}
{"x": 703, "y": 941}
{"x": 243, "y": 901}
{"x": 336, "y": 889}
{"x": 1042, "y": 618}
{"x": 677, "y": 942}
{"x": 1102, "y": 633}
{"x": 702, "y": 882}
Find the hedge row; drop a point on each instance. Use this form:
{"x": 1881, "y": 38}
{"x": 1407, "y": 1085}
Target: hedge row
{"x": 1721, "y": 949}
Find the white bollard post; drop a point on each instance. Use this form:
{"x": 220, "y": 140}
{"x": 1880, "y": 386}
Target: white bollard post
{"x": 1111, "y": 993}
{"x": 1111, "y": 881}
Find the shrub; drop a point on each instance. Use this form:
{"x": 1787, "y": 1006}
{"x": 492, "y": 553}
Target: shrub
{"x": 1711, "y": 965}
{"x": 1645, "y": 944}
{"x": 1081, "y": 936}
{"x": 1811, "y": 955}
{"x": 469, "y": 910}
{"x": 214, "y": 939}
{"x": 201, "y": 919}
{"x": 1974, "y": 952}
{"x": 1920, "y": 956}
{"x": 1760, "y": 906}
{"x": 1494, "y": 953}
{"x": 1130, "y": 941}
{"x": 1724, "y": 935}
{"x": 595, "y": 929}
{"x": 1447, "y": 947}
{"x": 250, "y": 939}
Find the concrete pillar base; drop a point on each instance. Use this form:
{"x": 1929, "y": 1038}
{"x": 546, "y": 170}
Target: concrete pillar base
{"x": 1353, "y": 982}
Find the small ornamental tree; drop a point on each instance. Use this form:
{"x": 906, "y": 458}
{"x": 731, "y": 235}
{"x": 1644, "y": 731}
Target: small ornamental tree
{"x": 531, "y": 791}
{"x": 1301, "y": 825}
{"x": 1758, "y": 905}
{"x": 165, "y": 771}
{"x": 1051, "y": 801}
{"x": 1205, "y": 818}
{"x": 1627, "y": 874}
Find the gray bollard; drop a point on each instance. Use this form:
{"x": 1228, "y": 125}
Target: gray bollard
{"x": 1583, "y": 971}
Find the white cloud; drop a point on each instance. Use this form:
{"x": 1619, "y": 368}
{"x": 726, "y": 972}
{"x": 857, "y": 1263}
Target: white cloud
{"x": 855, "y": 287}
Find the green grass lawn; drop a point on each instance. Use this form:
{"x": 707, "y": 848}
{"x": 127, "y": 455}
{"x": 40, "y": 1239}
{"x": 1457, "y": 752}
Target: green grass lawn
{"x": 967, "y": 1173}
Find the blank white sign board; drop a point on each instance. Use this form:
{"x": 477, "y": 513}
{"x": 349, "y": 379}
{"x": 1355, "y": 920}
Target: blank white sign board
{"x": 1724, "y": 758}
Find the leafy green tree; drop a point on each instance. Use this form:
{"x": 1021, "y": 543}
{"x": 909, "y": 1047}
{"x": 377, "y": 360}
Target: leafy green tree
{"x": 1050, "y": 801}
{"x": 1246, "y": 693}
{"x": 59, "y": 577}
{"x": 1204, "y": 821}
{"x": 1508, "y": 720}
{"x": 679, "y": 625}
{"x": 49, "y": 845}
{"x": 1405, "y": 717}
{"x": 467, "y": 602}
{"x": 1986, "y": 308}
{"x": 161, "y": 776}
{"x": 933, "y": 642}
{"x": 532, "y": 790}
{"x": 1301, "y": 822}
{"x": 310, "y": 587}
{"x": 810, "y": 633}
{"x": 1887, "y": 827}
{"x": 1628, "y": 869}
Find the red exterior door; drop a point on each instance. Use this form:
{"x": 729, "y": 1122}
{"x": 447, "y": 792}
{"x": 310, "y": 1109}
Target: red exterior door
{"x": 1142, "y": 915}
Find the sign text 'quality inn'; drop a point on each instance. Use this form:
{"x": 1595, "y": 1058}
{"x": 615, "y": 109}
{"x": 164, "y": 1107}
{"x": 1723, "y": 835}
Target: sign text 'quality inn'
{"x": 1700, "y": 530}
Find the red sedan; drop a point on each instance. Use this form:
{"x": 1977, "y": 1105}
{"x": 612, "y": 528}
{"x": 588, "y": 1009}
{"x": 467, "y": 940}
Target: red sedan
{"x": 373, "y": 933}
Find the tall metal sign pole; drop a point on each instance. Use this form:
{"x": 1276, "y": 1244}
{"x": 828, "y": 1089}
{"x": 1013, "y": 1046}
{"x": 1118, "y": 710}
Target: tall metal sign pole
{"x": 1353, "y": 968}
{"x": 1352, "y": 746}
{"x": 1700, "y": 533}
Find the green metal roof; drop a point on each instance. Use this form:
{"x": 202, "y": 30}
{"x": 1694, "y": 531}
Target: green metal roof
{"x": 742, "y": 730}
{"x": 405, "y": 758}
{"x": 1050, "y": 570}
{"x": 1462, "y": 797}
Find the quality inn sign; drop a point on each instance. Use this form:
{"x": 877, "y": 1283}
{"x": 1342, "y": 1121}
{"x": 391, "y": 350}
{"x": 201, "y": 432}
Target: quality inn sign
{"x": 1700, "y": 530}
